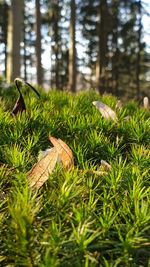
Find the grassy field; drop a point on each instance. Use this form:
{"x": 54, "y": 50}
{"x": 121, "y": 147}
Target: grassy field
{"x": 78, "y": 217}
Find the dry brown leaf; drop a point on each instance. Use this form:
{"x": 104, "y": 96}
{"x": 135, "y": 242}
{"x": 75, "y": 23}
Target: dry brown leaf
{"x": 19, "y": 106}
{"x": 42, "y": 169}
{"x": 64, "y": 152}
{"x": 106, "y": 111}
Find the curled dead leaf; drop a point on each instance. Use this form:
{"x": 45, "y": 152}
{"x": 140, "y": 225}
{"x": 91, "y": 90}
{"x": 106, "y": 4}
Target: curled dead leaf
{"x": 105, "y": 110}
{"x": 42, "y": 169}
{"x": 20, "y": 104}
{"x": 22, "y": 82}
{"x": 64, "y": 152}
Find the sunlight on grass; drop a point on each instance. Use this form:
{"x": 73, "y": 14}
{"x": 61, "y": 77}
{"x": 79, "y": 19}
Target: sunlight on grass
{"x": 78, "y": 217}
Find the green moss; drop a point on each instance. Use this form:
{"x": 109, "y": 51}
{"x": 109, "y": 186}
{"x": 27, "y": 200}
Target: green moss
{"x": 77, "y": 218}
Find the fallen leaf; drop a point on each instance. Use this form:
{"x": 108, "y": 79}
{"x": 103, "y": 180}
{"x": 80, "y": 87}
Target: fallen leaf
{"x": 20, "y": 104}
{"x": 106, "y": 111}
{"x": 64, "y": 152}
{"x": 25, "y": 83}
{"x": 43, "y": 153}
{"x": 146, "y": 102}
{"x": 105, "y": 165}
{"x": 47, "y": 160}
{"x": 42, "y": 169}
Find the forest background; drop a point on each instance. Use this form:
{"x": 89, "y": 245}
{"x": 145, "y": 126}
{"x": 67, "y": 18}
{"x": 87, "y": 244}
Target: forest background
{"x": 77, "y": 45}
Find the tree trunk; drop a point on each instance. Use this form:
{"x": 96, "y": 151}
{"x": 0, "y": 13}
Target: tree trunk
{"x": 72, "y": 48}
{"x": 138, "y": 67}
{"x": 14, "y": 38}
{"x": 38, "y": 43}
{"x": 103, "y": 25}
{"x": 115, "y": 70}
{"x": 56, "y": 39}
{"x": 24, "y": 47}
{"x": 5, "y": 34}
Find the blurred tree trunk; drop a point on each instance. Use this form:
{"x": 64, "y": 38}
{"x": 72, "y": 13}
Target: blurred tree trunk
{"x": 56, "y": 38}
{"x": 138, "y": 67}
{"x": 103, "y": 25}
{"x": 115, "y": 63}
{"x": 5, "y": 33}
{"x": 15, "y": 20}
{"x": 72, "y": 48}
{"x": 38, "y": 43}
{"x": 55, "y": 47}
{"x": 24, "y": 46}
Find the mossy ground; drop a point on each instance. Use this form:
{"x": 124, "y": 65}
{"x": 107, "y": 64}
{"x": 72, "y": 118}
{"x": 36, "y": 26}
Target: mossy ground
{"x": 77, "y": 218}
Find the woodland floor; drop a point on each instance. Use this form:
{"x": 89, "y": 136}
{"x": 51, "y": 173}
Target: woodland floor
{"x": 81, "y": 216}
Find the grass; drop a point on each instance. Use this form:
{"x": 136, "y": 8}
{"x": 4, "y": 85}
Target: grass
{"x": 77, "y": 218}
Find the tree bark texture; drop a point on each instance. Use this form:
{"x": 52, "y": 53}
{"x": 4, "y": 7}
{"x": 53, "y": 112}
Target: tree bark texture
{"x": 38, "y": 44}
{"x": 138, "y": 64}
{"x": 14, "y": 39}
{"x": 72, "y": 48}
{"x": 103, "y": 25}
